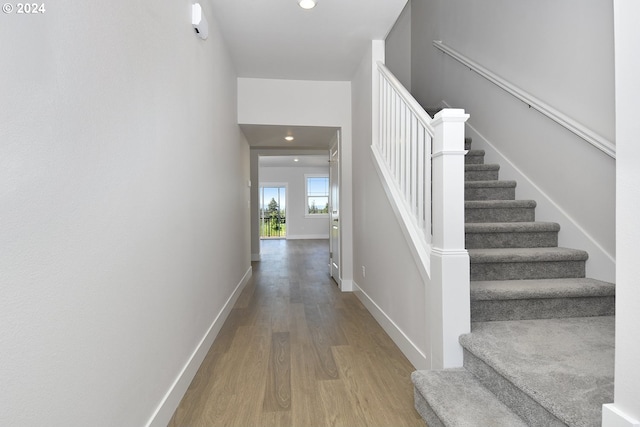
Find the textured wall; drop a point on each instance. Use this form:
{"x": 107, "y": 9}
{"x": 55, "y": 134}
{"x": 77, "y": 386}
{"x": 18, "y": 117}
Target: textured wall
{"x": 118, "y": 148}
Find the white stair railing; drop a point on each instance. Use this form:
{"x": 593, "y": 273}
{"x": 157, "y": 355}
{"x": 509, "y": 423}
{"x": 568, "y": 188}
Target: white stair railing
{"x": 404, "y": 144}
{"x": 421, "y": 163}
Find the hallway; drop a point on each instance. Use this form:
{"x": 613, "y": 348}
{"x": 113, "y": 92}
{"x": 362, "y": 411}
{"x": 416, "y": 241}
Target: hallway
{"x": 295, "y": 351}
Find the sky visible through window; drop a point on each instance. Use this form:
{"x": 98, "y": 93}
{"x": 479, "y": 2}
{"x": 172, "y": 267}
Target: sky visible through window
{"x": 317, "y": 195}
{"x": 275, "y": 193}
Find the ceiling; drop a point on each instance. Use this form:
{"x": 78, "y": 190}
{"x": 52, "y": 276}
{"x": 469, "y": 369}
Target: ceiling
{"x": 305, "y": 137}
{"x": 277, "y": 39}
{"x": 304, "y": 161}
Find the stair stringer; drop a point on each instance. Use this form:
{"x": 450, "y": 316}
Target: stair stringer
{"x": 420, "y": 248}
{"x": 601, "y": 264}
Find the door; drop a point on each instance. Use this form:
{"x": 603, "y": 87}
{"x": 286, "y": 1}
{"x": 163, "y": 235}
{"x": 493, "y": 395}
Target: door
{"x": 334, "y": 209}
{"x": 273, "y": 211}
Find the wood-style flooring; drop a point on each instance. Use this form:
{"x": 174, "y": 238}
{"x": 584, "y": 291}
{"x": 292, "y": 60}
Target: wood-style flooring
{"x": 295, "y": 351}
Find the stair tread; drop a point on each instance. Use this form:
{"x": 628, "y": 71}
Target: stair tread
{"x": 490, "y": 184}
{"x": 540, "y": 288}
{"x": 459, "y": 400}
{"x": 511, "y": 227}
{"x": 505, "y": 255}
{"x": 475, "y": 153}
{"x": 482, "y": 167}
{"x": 490, "y": 204}
{"x": 566, "y": 365}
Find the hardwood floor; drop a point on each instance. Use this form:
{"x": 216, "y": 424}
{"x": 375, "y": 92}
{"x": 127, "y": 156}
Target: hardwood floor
{"x": 295, "y": 351}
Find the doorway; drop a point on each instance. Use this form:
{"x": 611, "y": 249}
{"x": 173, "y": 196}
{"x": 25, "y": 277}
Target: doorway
{"x": 334, "y": 210}
{"x": 273, "y": 211}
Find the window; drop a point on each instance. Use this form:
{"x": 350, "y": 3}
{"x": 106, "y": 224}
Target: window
{"x": 317, "y": 194}
{"x": 273, "y": 211}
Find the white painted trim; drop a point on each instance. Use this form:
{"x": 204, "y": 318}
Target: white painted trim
{"x": 345, "y": 285}
{"x": 612, "y": 416}
{"x": 449, "y": 306}
{"x": 261, "y": 186}
{"x": 413, "y": 105}
{"x": 449, "y": 153}
{"x": 306, "y": 194}
{"x": 172, "y": 398}
{"x": 417, "y": 358}
{"x": 308, "y": 237}
{"x": 419, "y": 248}
{"x": 449, "y": 252}
{"x": 601, "y": 264}
{"x": 593, "y": 138}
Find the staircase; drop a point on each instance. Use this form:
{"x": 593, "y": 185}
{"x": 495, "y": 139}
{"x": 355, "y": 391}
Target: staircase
{"x": 541, "y": 347}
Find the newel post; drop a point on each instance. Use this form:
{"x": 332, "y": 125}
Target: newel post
{"x": 449, "y": 299}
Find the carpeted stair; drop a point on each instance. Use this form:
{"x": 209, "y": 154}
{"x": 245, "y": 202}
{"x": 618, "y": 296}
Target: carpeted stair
{"x": 540, "y": 351}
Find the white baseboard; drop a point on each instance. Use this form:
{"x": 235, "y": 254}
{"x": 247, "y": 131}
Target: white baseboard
{"x": 345, "y": 285}
{"x": 172, "y": 398}
{"x": 308, "y": 237}
{"x": 417, "y": 358}
{"x": 614, "y": 417}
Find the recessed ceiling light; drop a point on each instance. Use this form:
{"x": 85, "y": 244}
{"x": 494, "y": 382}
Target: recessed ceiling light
{"x": 296, "y": 160}
{"x": 289, "y": 138}
{"x": 307, "y": 4}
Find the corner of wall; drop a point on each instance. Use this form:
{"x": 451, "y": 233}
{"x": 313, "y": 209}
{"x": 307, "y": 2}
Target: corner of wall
{"x": 417, "y": 358}
{"x": 172, "y": 398}
{"x": 601, "y": 264}
{"x": 612, "y": 416}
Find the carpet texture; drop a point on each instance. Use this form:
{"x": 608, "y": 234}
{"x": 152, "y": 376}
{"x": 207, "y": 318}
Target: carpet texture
{"x": 541, "y": 349}
{"x": 565, "y": 365}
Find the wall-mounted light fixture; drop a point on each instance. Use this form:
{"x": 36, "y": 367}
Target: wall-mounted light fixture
{"x": 307, "y": 4}
{"x": 289, "y": 138}
{"x": 199, "y": 21}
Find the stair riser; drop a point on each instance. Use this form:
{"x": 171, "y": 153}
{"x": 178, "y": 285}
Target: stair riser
{"x": 527, "y": 270}
{"x": 541, "y": 308}
{"x": 425, "y": 410}
{"x": 518, "y": 401}
{"x": 511, "y": 240}
{"x": 490, "y": 175}
{"x": 471, "y": 159}
{"x": 490, "y": 193}
{"x": 472, "y": 215}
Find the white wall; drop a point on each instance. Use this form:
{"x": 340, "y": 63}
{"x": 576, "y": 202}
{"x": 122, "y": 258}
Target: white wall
{"x": 560, "y": 53}
{"x": 303, "y": 103}
{"x": 391, "y": 287}
{"x": 299, "y": 226}
{"x": 119, "y": 144}
{"x": 627, "y": 374}
{"x": 398, "y": 48}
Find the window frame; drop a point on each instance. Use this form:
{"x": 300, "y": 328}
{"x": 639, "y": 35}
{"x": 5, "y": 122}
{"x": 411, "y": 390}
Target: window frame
{"x": 261, "y": 187}
{"x": 307, "y": 214}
